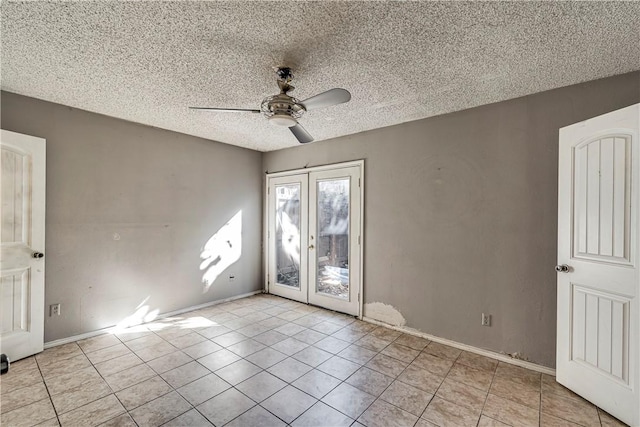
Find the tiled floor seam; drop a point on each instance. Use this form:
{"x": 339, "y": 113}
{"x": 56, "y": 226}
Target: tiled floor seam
{"x": 48, "y": 392}
{"x": 559, "y": 416}
{"x": 598, "y": 411}
{"x": 385, "y": 389}
{"x": 487, "y": 397}
{"x": 126, "y": 411}
{"x": 339, "y": 322}
{"x": 235, "y": 388}
{"x": 436, "y": 391}
{"x": 540, "y": 406}
{"x": 391, "y": 383}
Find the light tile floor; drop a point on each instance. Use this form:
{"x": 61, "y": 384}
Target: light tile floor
{"x": 268, "y": 361}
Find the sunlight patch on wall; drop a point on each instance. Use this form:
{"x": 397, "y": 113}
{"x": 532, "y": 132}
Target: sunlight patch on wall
{"x": 222, "y": 250}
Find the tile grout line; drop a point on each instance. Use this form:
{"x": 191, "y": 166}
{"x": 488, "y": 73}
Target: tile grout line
{"x": 23, "y": 387}
{"x": 262, "y": 370}
{"x": 173, "y": 389}
{"x": 394, "y": 380}
{"x": 126, "y": 411}
{"x": 337, "y": 321}
{"x": 540, "y": 405}
{"x": 385, "y": 389}
{"x": 315, "y": 368}
{"x": 442, "y": 382}
{"x": 493, "y": 377}
{"x": 599, "y": 417}
{"x": 232, "y": 386}
{"x": 196, "y": 360}
{"x": 55, "y": 411}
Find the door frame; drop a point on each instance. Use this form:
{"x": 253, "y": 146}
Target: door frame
{"x": 307, "y": 170}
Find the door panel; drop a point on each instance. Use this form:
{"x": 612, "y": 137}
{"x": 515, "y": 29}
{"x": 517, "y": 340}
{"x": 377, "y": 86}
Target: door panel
{"x": 22, "y": 194}
{"x": 288, "y": 226}
{"x": 15, "y": 302}
{"x": 334, "y": 198}
{"x": 601, "y": 199}
{"x": 598, "y": 322}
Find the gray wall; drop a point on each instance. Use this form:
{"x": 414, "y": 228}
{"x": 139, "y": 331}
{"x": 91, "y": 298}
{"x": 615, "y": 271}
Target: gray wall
{"x": 461, "y": 213}
{"x": 163, "y": 193}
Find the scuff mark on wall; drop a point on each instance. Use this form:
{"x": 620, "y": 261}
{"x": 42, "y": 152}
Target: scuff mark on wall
{"x": 519, "y": 356}
{"x": 384, "y": 313}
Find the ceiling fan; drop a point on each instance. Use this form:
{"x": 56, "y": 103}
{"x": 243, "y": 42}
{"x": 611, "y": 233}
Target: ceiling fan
{"x": 285, "y": 110}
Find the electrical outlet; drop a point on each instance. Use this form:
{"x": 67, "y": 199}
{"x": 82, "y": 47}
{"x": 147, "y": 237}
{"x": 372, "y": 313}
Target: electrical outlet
{"x": 54, "y": 310}
{"x": 486, "y": 319}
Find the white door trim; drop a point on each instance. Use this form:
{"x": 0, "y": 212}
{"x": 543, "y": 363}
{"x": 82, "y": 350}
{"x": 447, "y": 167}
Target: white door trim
{"x": 265, "y": 254}
{"x": 318, "y": 168}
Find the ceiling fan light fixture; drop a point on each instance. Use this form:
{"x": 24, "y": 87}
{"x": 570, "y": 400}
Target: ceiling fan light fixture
{"x": 284, "y": 110}
{"x": 283, "y": 120}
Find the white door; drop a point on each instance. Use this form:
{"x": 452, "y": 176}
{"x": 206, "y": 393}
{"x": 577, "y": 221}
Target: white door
{"x": 314, "y": 234}
{"x": 334, "y": 253}
{"x": 287, "y": 236}
{"x": 598, "y": 262}
{"x": 22, "y": 194}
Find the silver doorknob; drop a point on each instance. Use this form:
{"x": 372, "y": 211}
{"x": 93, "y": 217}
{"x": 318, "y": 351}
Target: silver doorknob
{"x": 564, "y": 268}
{"x": 38, "y": 255}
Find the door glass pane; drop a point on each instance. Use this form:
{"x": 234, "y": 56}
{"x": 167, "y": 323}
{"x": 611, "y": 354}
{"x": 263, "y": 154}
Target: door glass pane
{"x": 288, "y": 234}
{"x": 333, "y": 238}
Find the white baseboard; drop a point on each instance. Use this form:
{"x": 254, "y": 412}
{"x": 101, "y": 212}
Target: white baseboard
{"x": 91, "y": 334}
{"x": 404, "y": 329}
{"x": 488, "y": 353}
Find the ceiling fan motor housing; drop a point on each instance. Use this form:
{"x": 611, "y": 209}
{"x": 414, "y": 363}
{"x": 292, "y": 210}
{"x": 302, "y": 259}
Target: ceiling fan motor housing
{"x": 282, "y": 109}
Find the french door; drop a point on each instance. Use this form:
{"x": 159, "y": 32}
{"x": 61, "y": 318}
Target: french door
{"x": 314, "y": 236}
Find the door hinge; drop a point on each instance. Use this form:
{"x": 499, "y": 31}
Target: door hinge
{"x": 358, "y": 182}
{"x": 268, "y": 190}
{"x": 358, "y": 239}
{"x": 358, "y": 296}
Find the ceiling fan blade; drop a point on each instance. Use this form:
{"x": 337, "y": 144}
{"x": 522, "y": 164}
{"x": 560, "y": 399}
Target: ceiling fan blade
{"x": 225, "y": 110}
{"x": 301, "y": 134}
{"x": 326, "y": 99}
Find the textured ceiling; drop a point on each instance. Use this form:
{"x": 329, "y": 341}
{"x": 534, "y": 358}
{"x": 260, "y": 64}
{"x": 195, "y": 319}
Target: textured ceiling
{"x": 148, "y": 61}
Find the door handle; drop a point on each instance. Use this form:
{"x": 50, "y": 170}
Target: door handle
{"x": 564, "y": 268}
{"x": 311, "y": 247}
{"x": 38, "y": 255}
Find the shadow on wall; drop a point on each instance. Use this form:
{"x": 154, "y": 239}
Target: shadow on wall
{"x": 222, "y": 250}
